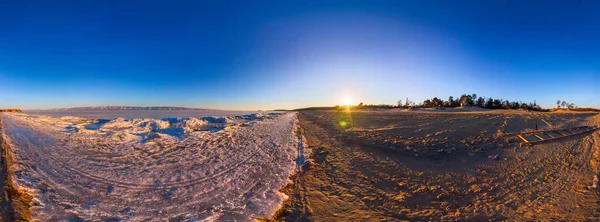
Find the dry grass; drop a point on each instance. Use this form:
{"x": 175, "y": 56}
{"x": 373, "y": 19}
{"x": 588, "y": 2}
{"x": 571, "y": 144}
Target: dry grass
{"x": 575, "y": 109}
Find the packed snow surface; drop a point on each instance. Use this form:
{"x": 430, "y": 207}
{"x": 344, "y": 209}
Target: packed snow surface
{"x": 87, "y": 108}
{"x": 142, "y": 169}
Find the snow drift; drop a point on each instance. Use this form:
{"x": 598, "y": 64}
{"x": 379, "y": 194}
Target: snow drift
{"x": 212, "y": 168}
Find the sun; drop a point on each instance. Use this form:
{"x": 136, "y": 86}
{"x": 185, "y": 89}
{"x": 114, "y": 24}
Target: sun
{"x": 346, "y": 101}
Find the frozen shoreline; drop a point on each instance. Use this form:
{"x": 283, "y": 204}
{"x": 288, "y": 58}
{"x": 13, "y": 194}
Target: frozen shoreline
{"x": 153, "y": 169}
{"x": 129, "y": 114}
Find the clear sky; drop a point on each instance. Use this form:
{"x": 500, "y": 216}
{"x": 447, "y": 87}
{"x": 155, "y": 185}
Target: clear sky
{"x": 287, "y": 54}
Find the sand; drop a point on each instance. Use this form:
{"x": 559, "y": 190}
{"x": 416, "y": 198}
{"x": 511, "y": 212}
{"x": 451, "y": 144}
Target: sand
{"x": 392, "y": 165}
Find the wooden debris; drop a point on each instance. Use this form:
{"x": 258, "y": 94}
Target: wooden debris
{"x": 564, "y": 133}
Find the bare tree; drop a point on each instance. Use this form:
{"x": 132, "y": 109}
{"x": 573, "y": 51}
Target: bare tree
{"x": 558, "y": 103}
{"x": 564, "y": 104}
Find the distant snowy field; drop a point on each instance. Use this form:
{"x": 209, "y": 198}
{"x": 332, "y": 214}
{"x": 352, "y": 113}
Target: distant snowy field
{"x": 144, "y": 169}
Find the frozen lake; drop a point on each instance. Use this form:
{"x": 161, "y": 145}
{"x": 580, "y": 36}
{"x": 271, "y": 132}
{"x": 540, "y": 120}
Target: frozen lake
{"x": 128, "y": 114}
{"x": 170, "y": 169}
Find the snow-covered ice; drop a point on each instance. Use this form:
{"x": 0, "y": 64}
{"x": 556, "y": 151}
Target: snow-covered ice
{"x": 211, "y": 168}
{"x": 128, "y": 114}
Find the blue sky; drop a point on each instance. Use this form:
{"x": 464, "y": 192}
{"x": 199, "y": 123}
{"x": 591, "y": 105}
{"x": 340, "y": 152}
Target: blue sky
{"x": 288, "y": 54}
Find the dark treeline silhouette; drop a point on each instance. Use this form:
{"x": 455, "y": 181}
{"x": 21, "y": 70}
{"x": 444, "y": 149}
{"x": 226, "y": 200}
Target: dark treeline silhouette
{"x": 367, "y": 106}
{"x": 464, "y": 100}
{"x": 10, "y": 110}
{"x": 473, "y": 100}
{"x": 565, "y": 104}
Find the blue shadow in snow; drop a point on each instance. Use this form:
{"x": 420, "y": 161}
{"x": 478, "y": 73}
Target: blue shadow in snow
{"x": 96, "y": 126}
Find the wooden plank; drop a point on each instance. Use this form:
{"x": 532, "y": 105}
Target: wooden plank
{"x": 522, "y": 138}
{"x": 577, "y": 130}
{"x": 525, "y": 144}
{"x": 559, "y": 133}
{"x": 564, "y": 133}
{"x": 539, "y": 137}
{"x": 542, "y": 131}
{"x": 547, "y": 134}
{"x": 566, "y": 136}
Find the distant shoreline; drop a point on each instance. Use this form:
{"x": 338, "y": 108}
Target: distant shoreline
{"x": 112, "y": 114}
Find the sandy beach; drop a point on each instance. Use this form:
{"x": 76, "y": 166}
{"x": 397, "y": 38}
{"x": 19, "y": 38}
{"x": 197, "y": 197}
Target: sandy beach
{"x": 397, "y": 165}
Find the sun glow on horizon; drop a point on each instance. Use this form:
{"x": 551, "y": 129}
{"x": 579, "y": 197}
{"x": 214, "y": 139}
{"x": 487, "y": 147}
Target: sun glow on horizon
{"x": 346, "y": 101}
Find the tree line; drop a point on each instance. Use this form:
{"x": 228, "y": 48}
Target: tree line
{"x": 472, "y": 100}
{"x": 565, "y": 104}
{"x": 465, "y": 100}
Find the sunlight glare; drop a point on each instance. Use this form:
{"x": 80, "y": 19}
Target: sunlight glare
{"x": 346, "y": 101}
